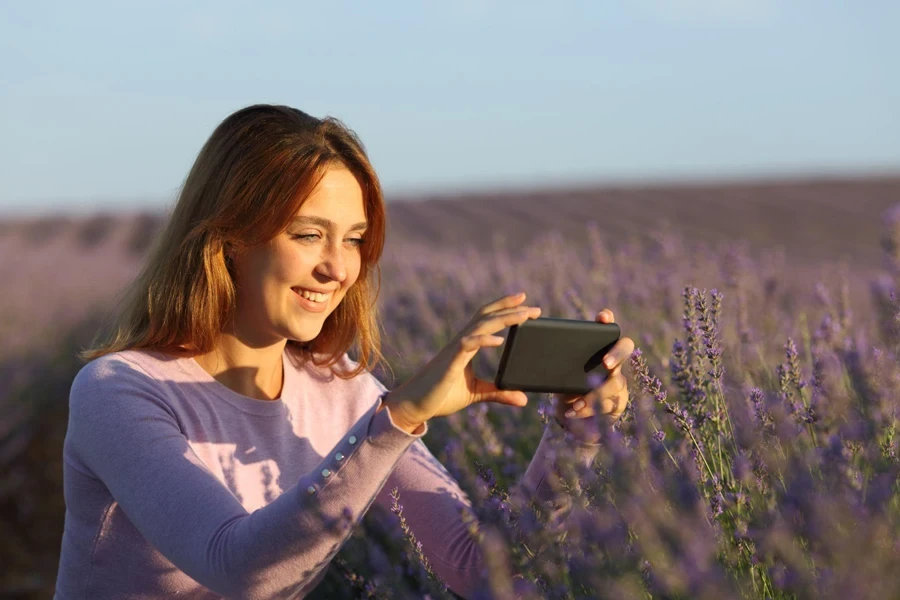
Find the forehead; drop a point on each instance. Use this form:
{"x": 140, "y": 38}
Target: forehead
{"x": 337, "y": 201}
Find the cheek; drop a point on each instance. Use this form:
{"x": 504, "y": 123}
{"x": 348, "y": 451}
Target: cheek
{"x": 354, "y": 270}
{"x": 250, "y": 273}
{"x": 294, "y": 268}
{"x": 265, "y": 273}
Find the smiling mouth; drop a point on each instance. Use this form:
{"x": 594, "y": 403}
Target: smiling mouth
{"x": 314, "y": 297}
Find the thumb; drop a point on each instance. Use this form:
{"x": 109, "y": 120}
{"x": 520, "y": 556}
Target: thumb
{"x": 486, "y": 391}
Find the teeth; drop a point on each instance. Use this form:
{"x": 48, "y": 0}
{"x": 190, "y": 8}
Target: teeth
{"x": 314, "y": 296}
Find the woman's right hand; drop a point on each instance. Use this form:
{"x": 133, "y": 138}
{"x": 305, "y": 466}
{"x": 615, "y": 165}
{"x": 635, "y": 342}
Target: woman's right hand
{"x": 448, "y": 383}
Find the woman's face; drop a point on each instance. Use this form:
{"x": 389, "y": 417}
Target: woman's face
{"x": 318, "y": 252}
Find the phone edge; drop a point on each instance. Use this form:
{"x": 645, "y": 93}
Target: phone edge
{"x": 504, "y": 358}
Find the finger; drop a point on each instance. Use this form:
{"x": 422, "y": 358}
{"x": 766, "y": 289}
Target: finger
{"x": 486, "y": 391}
{"x": 496, "y": 323}
{"x": 613, "y": 385}
{"x": 565, "y": 398}
{"x": 605, "y": 316}
{"x": 617, "y": 370}
{"x": 610, "y": 386}
{"x": 505, "y": 311}
{"x": 504, "y": 302}
{"x": 469, "y": 344}
{"x": 613, "y": 405}
{"x": 618, "y": 354}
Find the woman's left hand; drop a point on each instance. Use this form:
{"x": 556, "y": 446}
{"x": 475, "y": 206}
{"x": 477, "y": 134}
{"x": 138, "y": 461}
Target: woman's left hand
{"x": 589, "y": 414}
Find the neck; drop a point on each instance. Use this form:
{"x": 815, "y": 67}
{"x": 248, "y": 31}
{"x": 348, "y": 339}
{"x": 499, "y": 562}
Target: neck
{"x": 253, "y": 372}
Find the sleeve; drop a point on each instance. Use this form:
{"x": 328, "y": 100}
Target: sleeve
{"x": 432, "y": 500}
{"x": 123, "y": 430}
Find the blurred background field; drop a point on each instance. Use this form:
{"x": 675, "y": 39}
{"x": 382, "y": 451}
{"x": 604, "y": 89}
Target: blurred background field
{"x": 75, "y": 263}
{"x": 779, "y": 251}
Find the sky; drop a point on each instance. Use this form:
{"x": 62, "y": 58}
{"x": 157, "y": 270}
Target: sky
{"x": 105, "y": 105}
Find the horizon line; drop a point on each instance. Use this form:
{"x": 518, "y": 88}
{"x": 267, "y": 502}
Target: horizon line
{"x": 547, "y": 186}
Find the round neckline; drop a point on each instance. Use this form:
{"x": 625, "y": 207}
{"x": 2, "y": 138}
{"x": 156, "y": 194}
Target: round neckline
{"x": 255, "y": 406}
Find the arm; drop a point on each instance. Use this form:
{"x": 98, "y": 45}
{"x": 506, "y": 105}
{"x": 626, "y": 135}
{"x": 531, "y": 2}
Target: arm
{"x": 432, "y": 500}
{"x": 121, "y": 428}
{"x": 555, "y": 441}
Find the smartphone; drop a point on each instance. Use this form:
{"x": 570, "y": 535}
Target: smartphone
{"x": 555, "y": 355}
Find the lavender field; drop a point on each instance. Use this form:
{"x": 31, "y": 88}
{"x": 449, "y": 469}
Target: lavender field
{"x": 759, "y": 456}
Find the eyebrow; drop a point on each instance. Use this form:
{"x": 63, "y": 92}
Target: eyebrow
{"x": 326, "y": 223}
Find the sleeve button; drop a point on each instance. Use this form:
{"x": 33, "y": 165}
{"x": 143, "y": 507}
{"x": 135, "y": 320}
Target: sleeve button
{"x": 352, "y": 439}
{"x": 311, "y": 489}
{"x": 338, "y": 456}
{"x": 325, "y": 472}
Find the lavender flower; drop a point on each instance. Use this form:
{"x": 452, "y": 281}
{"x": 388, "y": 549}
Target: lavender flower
{"x": 708, "y": 486}
{"x": 397, "y": 509}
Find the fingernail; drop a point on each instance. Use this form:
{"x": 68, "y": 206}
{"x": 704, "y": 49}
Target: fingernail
{"x": 570, "y": 413}
{"x": 609, "y": 362}
{"x": 578, "y": 405}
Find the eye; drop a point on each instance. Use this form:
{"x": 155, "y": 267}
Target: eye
{"x": 311, "y": 236}
{"x": 306, "y": 236}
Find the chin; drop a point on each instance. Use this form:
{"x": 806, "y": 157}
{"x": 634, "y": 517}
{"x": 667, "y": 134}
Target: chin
{"x": 306, "y": 334}
{"x": 304, "y": 338}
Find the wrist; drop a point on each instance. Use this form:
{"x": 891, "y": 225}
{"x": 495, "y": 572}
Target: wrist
{"x": 398, "y": 417}
{"x": 584, "y": 430}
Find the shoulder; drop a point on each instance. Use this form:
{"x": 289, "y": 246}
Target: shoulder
{"x": 109, "y": 368}
{"x": 130, "y": 380}
{"x": 126, "y": 366}
{"x": 115, "y": 405}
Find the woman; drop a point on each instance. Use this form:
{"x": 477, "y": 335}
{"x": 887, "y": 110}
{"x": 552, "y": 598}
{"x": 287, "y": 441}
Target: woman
{"x": 223, "y": 411}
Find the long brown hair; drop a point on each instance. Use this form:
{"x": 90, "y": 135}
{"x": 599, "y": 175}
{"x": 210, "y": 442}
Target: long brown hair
{"x": 250, "y": 178}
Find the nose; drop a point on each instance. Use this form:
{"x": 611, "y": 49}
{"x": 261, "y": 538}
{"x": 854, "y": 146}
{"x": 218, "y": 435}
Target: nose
{"x": 333, "y": 264}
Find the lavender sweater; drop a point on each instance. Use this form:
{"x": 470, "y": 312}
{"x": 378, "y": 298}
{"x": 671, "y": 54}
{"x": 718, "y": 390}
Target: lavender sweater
{"x": 175, "y": 485}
